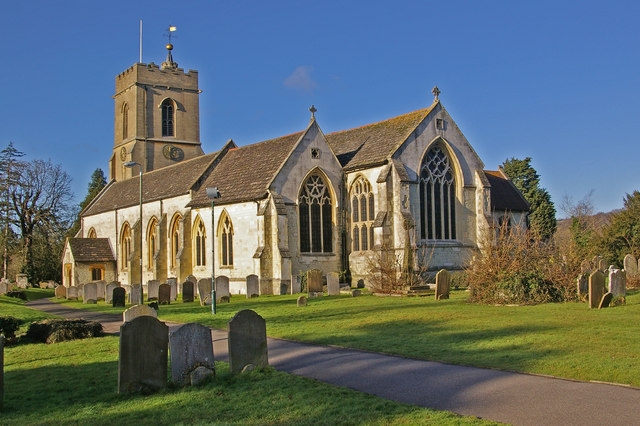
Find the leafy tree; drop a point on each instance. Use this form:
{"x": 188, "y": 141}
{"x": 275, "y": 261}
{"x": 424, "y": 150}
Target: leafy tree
{"x": 97, "y": 182}
{"x": 10, "y": 167}
{"x": 622, "y": 235}
{"x": 583, "y": 233}
{"x": 542, "y": 217}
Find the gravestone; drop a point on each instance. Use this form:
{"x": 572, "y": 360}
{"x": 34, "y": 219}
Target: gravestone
{"x": 443, "y": 280}
{"x": 4, "y": 288}
{"x": 302, "y": 301}
{"x": 630, "y": 265}
{"x": 138, "y": 311}
{"x": 222, "y": 288}
{"x": 108, "y": 292}
{"x": 360, "y": 283}
{"x": 224, "y": 299}
{"x": 164, "y": 294}
{"x": 253, "y": 286}
{"x": 595, "y": 262}
{"x": 2, "y": 341}
{"x": 191, "y": 278}
{"x": 314, "y": 281}
{"x": 118, "y": 297}
{"x": 72, "y": 293}
{"x": 333, "y": 284}
{"x": 617, "y": 283}
{"x": 187, "y": 292}
{"x": 583, "y": 285}
{"x": 247, "y": 341}
{"x": 190, "y": 347}
{"x": 100, "y": 289}
{"x": 173, "y": 283}
{"x": 596, "y": 288}
{"x": 90, "y": 293}
{"x": 22, "y": 281}
{"x": 152, "y": 289}
{"x": 142, "y": 365}
{"x": 606, "y": 300}
{"x": 61, "y": 291}
{"x": 356, "y": 293}
{"x": 585, "y": 267}
{"x": 296, "y": 287}
{"x": 204, "y": 291}
{"x": 135, "y": 296}
{"x": 602, "y": 265}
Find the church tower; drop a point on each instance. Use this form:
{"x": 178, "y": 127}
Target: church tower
{"x": 157, "y": 117}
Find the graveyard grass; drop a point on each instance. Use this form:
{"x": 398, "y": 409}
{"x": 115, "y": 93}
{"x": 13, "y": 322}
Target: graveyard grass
{"x": 560, "y": 339}
{"x": 75, "y": 382}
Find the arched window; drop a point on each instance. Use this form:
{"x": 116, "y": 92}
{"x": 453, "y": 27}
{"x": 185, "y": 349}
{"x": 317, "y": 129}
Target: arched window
{"x": 125, "y": 120}
{"x": 168, "y": 118}
{"x": 316, "y": 217}
{"x": 152, "y": 240}
{"x": 199, "y": 245}
{"x": 225, "y": 238}
{"x": 363, "y": 214}
{"x": 437, "y": 196}
{"x": 125, "y": 245}
{"x": 174, "y": 239}
{"x": 92, "y": 233}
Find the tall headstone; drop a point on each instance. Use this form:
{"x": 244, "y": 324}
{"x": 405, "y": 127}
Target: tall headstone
{"x": 314, "y": 281}
{"x": 61, "y": 291}
{"x": 247, "y": 341}
{"x": 333, "y": 284}
{"x": 191, "y": 278}
{"x": 22, "y": 281}
{"x": 100, "y": 289}
{"x": 138, "y": 311}
{"x": 164, "y": 294}
{"x": 190, "y": 347}
{"x": 602, "y": 265}
{"x": 253, "y": 286}
{"x": 152, "y": 289}
{"x": 173, "y": 283}
{"x": 2, "y": 340}
{"x": 443, "y": 280}
{"x": 585, "y": 267}
{"x": 583, "y": 285}
{"x": 630, "y": 265}
{"x": 618, "y": 283}
{"x": 222, "y": 287}
{"x": 187, "y": 292}
{"x": 142, "y": 365}
{"x": 296, "y": 286}
{"x": 90, "y": 293}
{"x": 596, "y": 288}
{"x": 118, "y": 297}
{"x": 135, "y": 298}
{"x": 108, "y": 292}
{"x": 72, "y": 293}
{"x": 204, "y": 291}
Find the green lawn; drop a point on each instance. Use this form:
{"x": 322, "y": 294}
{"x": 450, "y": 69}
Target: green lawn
{"x": 75, "y": 383}
{"x": 13, "y": 307}
{"x": 561, "y": 339}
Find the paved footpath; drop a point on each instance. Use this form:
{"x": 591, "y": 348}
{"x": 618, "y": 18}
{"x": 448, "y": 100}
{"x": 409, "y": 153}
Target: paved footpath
{"x": 515, "y": 398}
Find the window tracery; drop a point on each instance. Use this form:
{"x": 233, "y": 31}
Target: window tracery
{"x": 362, "y": 214}
{"x": 168, "y": 117}
{"x": 316, "y": 217}
{"x": 437, "y": 196}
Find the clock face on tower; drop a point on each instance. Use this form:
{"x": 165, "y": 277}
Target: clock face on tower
{"x": 171, "y": 152}
{"x": 123, "y": 153}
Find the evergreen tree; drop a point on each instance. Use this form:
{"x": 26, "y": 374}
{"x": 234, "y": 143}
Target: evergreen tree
{"x": 10, "y": 167}
{"x": 97, "y": 182}
{"x": 622, "y": 235}
{"x": 542, "y": 217}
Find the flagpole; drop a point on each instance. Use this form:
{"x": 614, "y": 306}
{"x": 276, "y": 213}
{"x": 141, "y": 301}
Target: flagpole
{"x": 140, "y": 41}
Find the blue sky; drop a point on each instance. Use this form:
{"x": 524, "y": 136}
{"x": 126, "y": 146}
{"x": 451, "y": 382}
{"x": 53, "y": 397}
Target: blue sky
{"x": 556, "y": 81}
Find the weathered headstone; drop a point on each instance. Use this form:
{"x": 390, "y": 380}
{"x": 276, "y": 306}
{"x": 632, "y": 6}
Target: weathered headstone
{"x": 187, "y": 291}
{"x": 356, "y": 293}
{"x": 360, "y": 283}
{"x": 100, "y": 289}
{"x": 61, "y": 291}
{"x": 108, "y": 292}
{"x": 617, "y": 282}
{"x": 583, "y": 285}
{"x": 142, "y": 365}
{"x": 596, "y": 288}
{"x": 222, "y": 287}
{"x": 314, "y": 281}
{"x": 606, "y": 300}
{"x": 90, "y": 293}
{"x": 190, "y": 347}
{"x": 630, "y": 265}
{"x": 253, "y": 286}
{"x": 585, "y": 267}
{"x": 164, "y": 294}
{"x": 443, "y": 280}
{"x": 204, "y": 291}
{"x": 118, "y": 297}
{"x": 135, "y": 296}
{"x": 247, "y": 341}
{"x": 173, "y": 283}
{"x": 333, "y": 284}
{"x": 2, "y": 340}
{"x": 138, "y": 311}
{"x": 152, "y": 289}
{"x": 602, "y": 265}
{"x": 4, "y": 288}
{"x": 296, "y": 286}
{"x": 22, "y": 281}
{"x": 302, "y": 301}
{"x": 72, "y": 293}
{"x": 191, "y": 278}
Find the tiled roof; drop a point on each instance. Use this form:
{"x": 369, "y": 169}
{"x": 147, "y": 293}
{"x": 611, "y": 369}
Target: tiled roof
{"x": 170, "y": 181}
{"x": 91, "y": 250}
{"x": 374, "y": 143}
{"x": 244, "y": 173}
{"x": 504, "y": 195}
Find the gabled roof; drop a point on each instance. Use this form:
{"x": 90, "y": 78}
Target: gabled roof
{"x": 374, "y": 143}
{"x": 91, "y": 250}
{"x": 504, "y": 194}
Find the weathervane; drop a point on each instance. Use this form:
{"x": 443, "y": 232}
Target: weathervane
{"x": 169, "y": 34}
{"x": 169, "y": 63}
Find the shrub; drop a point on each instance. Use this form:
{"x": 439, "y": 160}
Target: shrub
{"x": 9, "y": 326}
{"x": 18, "y": 294}
{"x": 59, "y": 330}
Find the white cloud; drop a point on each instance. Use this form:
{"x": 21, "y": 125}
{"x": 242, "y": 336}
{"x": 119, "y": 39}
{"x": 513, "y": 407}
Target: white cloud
{"x": 300, "y": 79}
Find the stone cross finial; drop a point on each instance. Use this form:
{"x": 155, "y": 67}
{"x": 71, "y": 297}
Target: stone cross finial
{"x": 313, "y": 112}
{"x": 436, "y": 92}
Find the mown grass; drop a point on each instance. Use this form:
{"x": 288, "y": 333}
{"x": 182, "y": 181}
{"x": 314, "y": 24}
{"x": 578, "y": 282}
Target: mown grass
{"x": 75, "y": 382}
{"x": 561, "y": 339}
{"x": 14, "y": 307}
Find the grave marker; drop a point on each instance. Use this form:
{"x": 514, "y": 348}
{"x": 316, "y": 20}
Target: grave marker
{"x": 443, "y": 280}
{"x": 4, "y": 288}
{"x": 61, "y": 291}
{"x": 204, "y": 291}
{"x": 602, "y": 265}
{"x": 191, "y": 278}
{"x": 222, "y": 287}
{"x": 187, "y": 292}
{"x": 253, "y": 286}
{"x": 190, "y": 347}
{"x": 583, "y": 285}
{"x": 302, "y": 301}
{"x": 72, "y": 293}
{"x": 630, "y": 265}
{"x": 164, "y": 294}
{"x": 152, "y": 289}
{"x": 90, "y": 293}
{"x": 118, "y": 297}
{"x": 173, "y": 283}
{"x": 618, "y": 282}
{"x": 606, "y": 300}
{"x": 100, "y": 289}
{"x": 247, "y": 341}
{"x": 138, "y": 311}
{"x": 333, "y": 284}
{"x": 135, "y": 298}
{"x": 585, "y": 267}
{"x": 314, "y": 281}
{"x": 108, "y": 292}
{"x": 596, "y": 288}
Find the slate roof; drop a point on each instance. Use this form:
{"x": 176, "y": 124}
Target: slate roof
{"x": 374, "y": 143}
{"x": 504, "y": 194}
{"x": 91, "y": 250}
{"x": 244, "y": 173}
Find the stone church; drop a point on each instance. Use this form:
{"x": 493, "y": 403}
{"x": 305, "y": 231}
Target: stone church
{"x": 301, "y": 201}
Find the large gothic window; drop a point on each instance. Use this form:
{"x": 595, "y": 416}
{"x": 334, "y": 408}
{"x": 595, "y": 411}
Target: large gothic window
{"x": 168, "y": 117}
{"x": 199, "y": 243}
{"x": 225, "y": 236}
{"x": 437, "y": 196}
{"x": 362, "y": 214}
{"x": 152, "y": 240}
{"x": 125, "y": 120}
{"x": 174, "y": 238}
{"x": 125, "y": 245}
{"x": 316, "y": 220}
